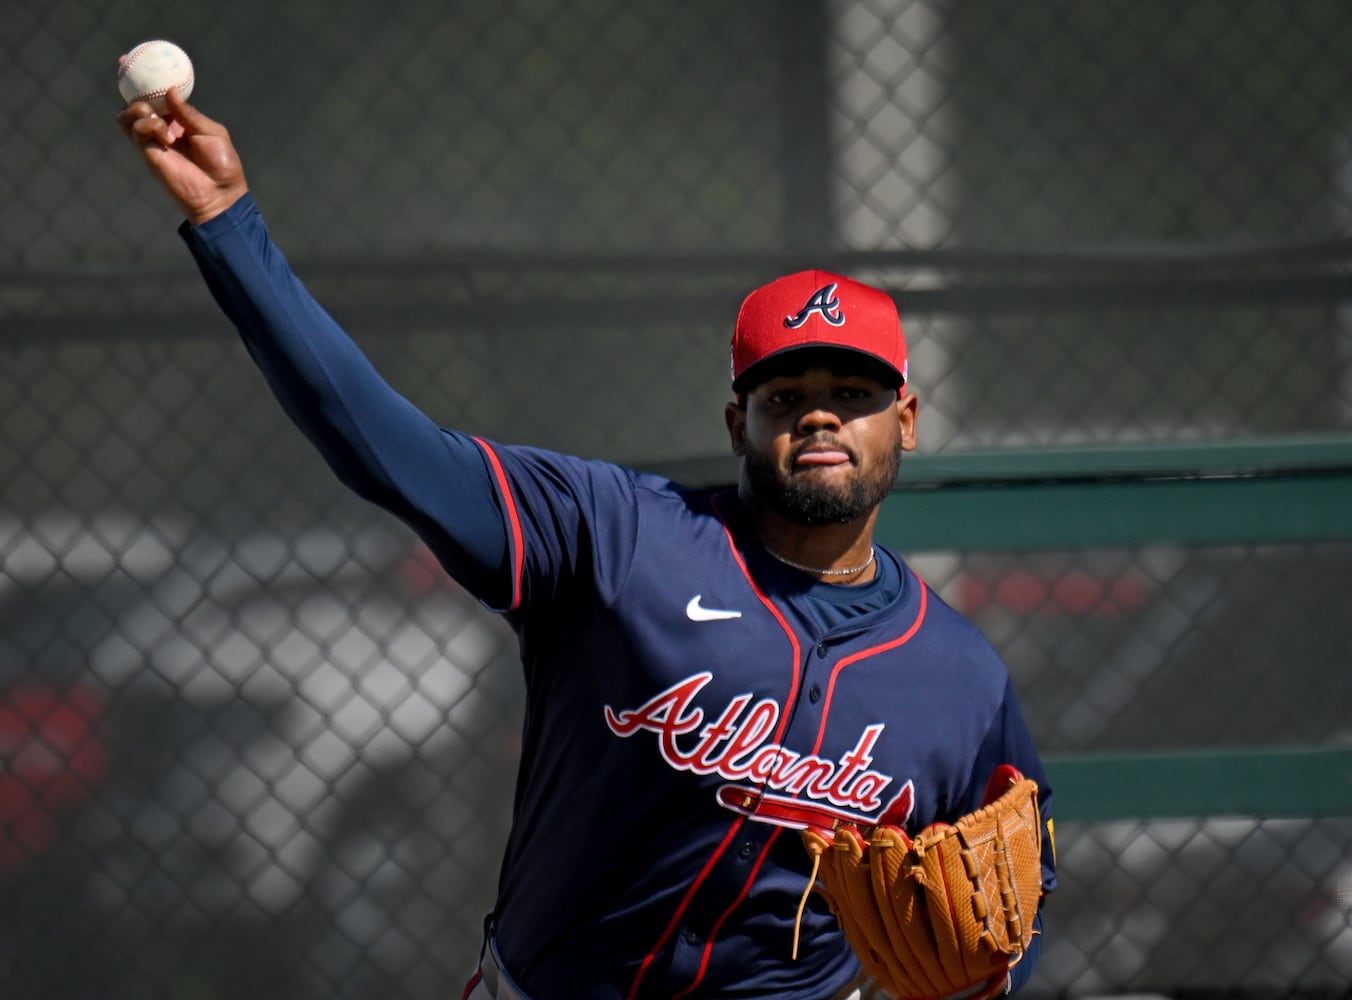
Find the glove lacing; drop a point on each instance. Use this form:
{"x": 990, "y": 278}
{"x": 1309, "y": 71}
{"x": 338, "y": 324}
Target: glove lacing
{"x": 802, "y": 903}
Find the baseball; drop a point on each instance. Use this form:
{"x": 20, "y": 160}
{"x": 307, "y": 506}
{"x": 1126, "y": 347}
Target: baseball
{"x": 148, "y": 71}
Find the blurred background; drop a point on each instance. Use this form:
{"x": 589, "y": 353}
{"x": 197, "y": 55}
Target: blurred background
{"x": 252, "y": 743}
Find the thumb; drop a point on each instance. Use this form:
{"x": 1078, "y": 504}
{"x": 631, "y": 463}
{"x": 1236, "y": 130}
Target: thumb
{"x": 192, "y": 120}
{"x": 200, "y": 166}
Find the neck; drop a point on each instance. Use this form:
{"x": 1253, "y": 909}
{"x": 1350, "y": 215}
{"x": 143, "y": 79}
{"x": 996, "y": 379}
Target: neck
{"x": 835, "y": 553}
{"x": 844, "y": 574}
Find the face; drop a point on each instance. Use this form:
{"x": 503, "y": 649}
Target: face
{"x": 821, "y": 445}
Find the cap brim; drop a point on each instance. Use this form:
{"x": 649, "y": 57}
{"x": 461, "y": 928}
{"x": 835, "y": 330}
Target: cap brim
{"x": 798, "y": 358}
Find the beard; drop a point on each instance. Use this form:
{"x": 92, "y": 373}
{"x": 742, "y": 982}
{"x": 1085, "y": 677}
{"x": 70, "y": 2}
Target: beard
{"x": 804, "y": 502}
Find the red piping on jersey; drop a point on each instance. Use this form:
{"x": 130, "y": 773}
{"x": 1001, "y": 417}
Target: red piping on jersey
{"x": 513, "y": 520}
{"x": 473, "y": 982}
{"x": 779, "y": 617}
{"x": 718, "y": 925}
{"x": 900, "y": 640}
{"x": 685, "y": 902}
{"x": 732, "y": 831}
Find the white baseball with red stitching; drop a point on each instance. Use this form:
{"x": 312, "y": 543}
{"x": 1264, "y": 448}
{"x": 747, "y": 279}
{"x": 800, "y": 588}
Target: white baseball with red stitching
{"x": 148, "y": 71}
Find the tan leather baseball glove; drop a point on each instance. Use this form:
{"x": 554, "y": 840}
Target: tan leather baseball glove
{"x": 948, "y": 913}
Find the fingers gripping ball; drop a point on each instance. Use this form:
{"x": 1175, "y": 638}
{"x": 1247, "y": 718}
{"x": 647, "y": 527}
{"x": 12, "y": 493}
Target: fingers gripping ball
{"x": 945, "y": 914}
{"x": 148, "y": 71}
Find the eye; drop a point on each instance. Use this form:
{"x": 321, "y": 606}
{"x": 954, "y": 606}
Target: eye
{"x": 783, "y": 398}
{"x": 858, "y": 397}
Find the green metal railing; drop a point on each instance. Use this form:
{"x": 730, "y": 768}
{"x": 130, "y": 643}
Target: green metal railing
{"x": 1280, "y": 490}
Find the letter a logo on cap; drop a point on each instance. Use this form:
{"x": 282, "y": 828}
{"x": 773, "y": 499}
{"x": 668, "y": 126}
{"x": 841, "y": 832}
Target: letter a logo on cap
{"x": 777, "y": 318}
{"x": 823, "y": 301}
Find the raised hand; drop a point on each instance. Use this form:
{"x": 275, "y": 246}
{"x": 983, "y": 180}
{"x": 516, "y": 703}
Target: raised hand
{"x": 190, "y": 154}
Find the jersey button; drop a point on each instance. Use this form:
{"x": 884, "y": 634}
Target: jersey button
{"x": 821, "y": 649}
{"x": 747, "y": 849}
{"x": 692, "y": 937}
{"x": 814, "y": 694}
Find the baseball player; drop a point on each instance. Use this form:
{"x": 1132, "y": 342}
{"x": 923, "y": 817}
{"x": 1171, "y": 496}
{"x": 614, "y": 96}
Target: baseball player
{"x": 706, "y": 671}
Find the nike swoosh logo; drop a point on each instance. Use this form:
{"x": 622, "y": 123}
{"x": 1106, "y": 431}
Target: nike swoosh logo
{"x": 696, "y": 612}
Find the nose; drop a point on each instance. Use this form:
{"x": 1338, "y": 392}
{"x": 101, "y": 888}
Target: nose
{"x": 818, "y": 415}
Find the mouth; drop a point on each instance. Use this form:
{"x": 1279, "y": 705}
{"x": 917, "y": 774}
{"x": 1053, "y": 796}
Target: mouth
{"x": 822, "y": 454}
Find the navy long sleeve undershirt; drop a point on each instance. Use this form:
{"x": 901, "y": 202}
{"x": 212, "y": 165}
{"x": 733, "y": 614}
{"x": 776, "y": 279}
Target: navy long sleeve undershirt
{"x": 378, "y": 443}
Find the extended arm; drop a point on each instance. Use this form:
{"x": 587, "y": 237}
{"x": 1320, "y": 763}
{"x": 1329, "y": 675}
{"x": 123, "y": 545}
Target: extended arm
{"x": 377, "y": 442}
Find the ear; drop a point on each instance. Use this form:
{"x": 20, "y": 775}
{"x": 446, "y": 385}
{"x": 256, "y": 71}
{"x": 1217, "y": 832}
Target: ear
{"x": 907, "y": 408}
{"x": 735, "y": 417}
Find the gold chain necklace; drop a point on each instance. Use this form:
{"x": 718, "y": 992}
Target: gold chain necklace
{"x": 827, "y": 572}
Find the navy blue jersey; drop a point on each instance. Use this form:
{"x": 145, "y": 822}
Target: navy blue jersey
{"x": 690, "y": 702}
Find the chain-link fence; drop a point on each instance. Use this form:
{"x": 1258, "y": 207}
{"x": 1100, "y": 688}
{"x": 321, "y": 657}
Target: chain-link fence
{"x": 251, "y": 740}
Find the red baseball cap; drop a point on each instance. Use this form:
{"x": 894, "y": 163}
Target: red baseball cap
{"x": 817, "y": 309}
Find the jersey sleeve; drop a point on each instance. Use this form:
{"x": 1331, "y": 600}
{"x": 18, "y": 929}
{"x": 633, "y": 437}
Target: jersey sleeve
{"x": 377, "y": 442}
{"x": 572, "y": 525}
